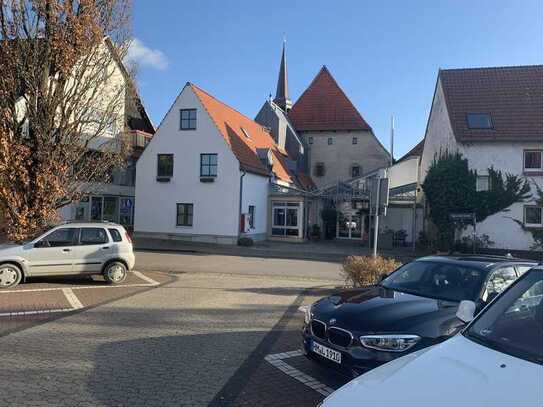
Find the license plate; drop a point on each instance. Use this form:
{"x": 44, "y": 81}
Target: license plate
{"x": 326, "y": 352}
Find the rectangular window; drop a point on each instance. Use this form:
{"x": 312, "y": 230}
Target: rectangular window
{"x": 479, "y": 121}
{"x": 251, "y": 216}
{"x": 208, "y": 165}
{"x": 330, "y": 141}
{"x": 188, "y": 119}
{"x": 355, "y": 171}
{"x": 533, "y": 161}
{"x": 285, "y": 219}
{"x": 59, "y": 238}
{"x": 483, "y": 183}
{"x": 164, "y": 166}
{"x": 355, "y": 140}
{"x": 115, "y": 235}
{"x": 310, "y": 140}
{"x": 319, "y": 170}
{"x": 533, "y": 216}
{"x": 90, "y": 236}
{"x": 184, "y": 214}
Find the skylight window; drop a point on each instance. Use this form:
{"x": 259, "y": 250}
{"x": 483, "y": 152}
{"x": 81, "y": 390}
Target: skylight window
{"x": 245, "y": 133}
{"x": 479, "y": 121}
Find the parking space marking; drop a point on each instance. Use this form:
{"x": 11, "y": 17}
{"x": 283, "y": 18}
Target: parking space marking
{"x": 277, "y": 360}
{"x": 72, "y": 298}
{"x": 145, "y": 278}
{"x": 35, "y": 312}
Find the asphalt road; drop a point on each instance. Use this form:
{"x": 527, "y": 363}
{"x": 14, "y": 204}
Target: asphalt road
{"x": 210, "y": 263}
{"x": 218, "y": 331}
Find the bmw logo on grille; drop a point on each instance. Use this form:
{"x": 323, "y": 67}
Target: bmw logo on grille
{"x": 332, "y": 321}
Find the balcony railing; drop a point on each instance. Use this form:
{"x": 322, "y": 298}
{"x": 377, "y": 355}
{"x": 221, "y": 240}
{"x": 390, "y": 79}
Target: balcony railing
{"x": 139, "y": 139}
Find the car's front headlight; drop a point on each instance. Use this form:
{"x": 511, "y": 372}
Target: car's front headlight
{"x": 390, "y": 343}
{"x": 306, "y": 309}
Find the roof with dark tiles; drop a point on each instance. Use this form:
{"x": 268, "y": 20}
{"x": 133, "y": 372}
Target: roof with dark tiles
{"x": 513, "y": 96}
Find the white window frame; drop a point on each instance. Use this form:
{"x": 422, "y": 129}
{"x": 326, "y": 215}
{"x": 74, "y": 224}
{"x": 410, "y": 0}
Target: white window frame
{"x": 479, "y": 187}
{"x": 540, "y": 169}
{"x": 533, "y": 224}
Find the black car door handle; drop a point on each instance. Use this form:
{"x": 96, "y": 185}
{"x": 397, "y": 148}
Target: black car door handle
{"x": 66, "y": 250}
{"x": 105, "y": 247}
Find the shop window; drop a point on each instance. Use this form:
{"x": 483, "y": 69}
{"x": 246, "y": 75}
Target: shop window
{"x": 285, "y": 219}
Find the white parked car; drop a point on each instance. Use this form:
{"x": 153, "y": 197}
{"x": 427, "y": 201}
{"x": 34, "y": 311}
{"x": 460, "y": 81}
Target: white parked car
{"x": 71, "y": 248}
{"x": 496, "y": 361}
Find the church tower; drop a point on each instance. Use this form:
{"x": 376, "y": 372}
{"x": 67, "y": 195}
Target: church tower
{"x": 281, "y": 95}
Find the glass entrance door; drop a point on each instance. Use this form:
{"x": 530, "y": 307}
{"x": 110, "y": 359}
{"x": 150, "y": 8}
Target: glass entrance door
{"x": 349, "y": 226}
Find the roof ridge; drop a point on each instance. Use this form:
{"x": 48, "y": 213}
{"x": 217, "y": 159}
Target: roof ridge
{"x": 480, "y": 68}
{"x": 343, "y": 114}
{"x": 324, "y": 68}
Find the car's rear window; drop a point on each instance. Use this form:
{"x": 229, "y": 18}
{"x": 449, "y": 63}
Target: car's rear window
{"x": 115, "y": 235}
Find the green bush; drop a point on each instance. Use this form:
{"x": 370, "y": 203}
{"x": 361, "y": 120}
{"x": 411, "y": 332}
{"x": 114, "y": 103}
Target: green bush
{"x": 359, "y": 271}
{"x": 245, "y": 241}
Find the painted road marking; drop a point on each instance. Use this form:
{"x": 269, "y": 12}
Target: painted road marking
{"x": 70, "y": 296}
{"x": 277, "y": 360}
{"x": 145, "y": 278}
{"x": 72, "y": 299}
{"x": 149, "y": 282}
{"x": 41, "y": 311}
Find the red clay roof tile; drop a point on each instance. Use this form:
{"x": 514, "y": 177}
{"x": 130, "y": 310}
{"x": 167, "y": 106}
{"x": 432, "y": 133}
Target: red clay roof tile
{"x": 243, "y": 135}
{"x": 324, "y": 106}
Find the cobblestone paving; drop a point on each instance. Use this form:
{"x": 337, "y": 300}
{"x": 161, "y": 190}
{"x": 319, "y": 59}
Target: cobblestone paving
{"x": 197, "y": 341}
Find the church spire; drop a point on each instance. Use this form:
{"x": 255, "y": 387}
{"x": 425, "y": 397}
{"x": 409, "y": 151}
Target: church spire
{"x": 281, "y": 96}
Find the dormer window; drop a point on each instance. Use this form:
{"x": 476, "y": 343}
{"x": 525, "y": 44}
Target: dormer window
{"x": 479, "y": 121}
{"x": 188, "y": 119}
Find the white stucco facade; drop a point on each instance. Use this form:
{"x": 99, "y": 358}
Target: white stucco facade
{"x": 216, "y": 205}
{"x": 503, "y": 156}
{"x": 255, "y": 193}
{"x": 508, "y": 158}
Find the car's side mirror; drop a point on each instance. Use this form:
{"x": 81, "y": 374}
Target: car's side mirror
{"x": 466, "y": 311}
{"x": 382, "y": 277}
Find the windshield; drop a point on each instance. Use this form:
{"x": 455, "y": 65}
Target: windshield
{"x": 514, "y": 323}
{"x": 437, "y": 280}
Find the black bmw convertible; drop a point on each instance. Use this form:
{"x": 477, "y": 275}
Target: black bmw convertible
{"x": 412, "y": 308}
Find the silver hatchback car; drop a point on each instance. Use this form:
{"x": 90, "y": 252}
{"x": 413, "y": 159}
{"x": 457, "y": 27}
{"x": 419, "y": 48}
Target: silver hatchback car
{"x": 71, "y": 248}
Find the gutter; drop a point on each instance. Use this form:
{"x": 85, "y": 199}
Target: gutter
{"x": 243, "y": 173}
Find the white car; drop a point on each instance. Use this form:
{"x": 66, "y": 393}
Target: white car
{"x": 71, "y": 248}
{"x": 496, "y": 361}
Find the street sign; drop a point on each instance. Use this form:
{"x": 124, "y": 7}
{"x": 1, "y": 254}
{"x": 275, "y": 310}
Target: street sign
{"x": 382, "y": 196}
{"x": 470, "y": 216}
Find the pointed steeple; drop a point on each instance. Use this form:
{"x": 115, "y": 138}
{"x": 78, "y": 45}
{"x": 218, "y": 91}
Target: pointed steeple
{"x": 281, "y": 96}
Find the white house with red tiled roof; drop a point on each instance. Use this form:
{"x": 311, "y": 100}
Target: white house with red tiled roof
{"x": 494, "y": 117}
{"x": 207, "y": 174}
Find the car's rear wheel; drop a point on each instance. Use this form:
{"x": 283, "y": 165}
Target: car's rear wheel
{"x": 115, "y": 272}
{"x": 10, "y": 275}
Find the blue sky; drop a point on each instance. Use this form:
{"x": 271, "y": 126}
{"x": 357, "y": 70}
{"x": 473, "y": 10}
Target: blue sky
{"x": 384, "y": 54}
